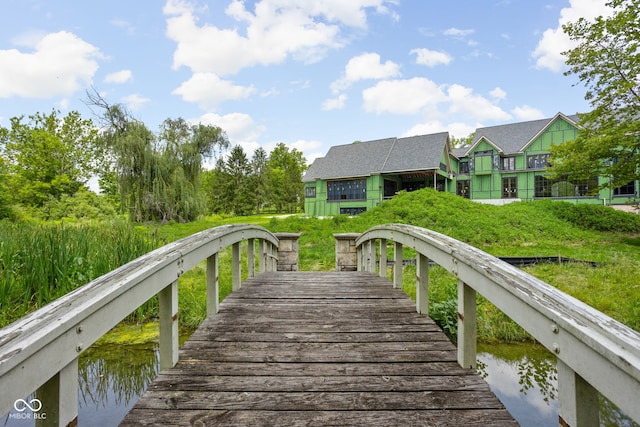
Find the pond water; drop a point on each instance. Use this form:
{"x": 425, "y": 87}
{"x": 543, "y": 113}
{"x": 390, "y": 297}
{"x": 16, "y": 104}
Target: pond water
{"x": 111, "y": 378}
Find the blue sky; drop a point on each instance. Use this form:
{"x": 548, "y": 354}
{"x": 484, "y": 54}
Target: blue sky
{"x": 311, "y": 74}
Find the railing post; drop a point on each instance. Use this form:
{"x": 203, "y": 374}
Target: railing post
{"x": 213, "y": 290}
{"x": 168, "y": 301}
{"x": 578, "y": 403}
{"x": 372, "y": 256}
{"x": 59, "y": 398}
{"x": 397, "y": 265}
{"x": 251, "y": 257}
{"x": 466, "y": 325}
{"x": 287, "y": 251}
{"x": 262, "y": 253}
{"x": 382, "y": 265}
{"x": 236, "y": 267}
{"x": 422, "y": 285}
{"x": 366, "y": 255}
{"x": 359, "y": 263}
{"x": 347, "y": 255}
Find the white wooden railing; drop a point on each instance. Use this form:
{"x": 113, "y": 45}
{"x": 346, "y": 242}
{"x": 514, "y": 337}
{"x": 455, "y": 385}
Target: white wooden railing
{"x": 596, "y": 354}
{"x": 40, "y": 351}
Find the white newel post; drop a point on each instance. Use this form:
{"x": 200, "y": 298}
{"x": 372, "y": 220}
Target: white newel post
{"x": 251, "y": 258}
{"x": 466, "y": 325}
{"x": 168, "y": 301}
{"x": 397, "y": 265}
{"x": 236, "y": 272}
{"x": 422, "y": 285}
{"x": 213, "y": 290}
{"x": 382, "y": 268}
{"x": 59, "y": 398}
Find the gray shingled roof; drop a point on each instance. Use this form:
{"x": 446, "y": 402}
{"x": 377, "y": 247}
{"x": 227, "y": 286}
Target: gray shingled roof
{"x": 380, "y": 156}
{"x": 511, "y": 138}
{"x": 416, "y": 153}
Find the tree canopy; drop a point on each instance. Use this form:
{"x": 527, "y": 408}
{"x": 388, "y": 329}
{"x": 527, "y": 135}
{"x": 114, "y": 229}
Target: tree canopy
{"x": 48, "y": 156}
{"x": 606, "y": 60}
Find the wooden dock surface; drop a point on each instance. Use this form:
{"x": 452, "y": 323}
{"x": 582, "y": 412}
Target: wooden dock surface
{"x": 304, "y": 348}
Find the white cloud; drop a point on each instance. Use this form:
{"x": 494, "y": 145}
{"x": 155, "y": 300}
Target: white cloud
{"x": 274, "y": 31}
{"x": 526, "y": 112}
{"x": 548, "y": 52}
{"x": 365, "y": 67}
{"x": 135, "y": 101}
{"x": 402, "y": 96}
{"x": 431, "y": 58}
{"x": 119, "y": 77}
{"x": 336, "y": 103}
{"x": 239, "y": 127}
{"x": 208, "y": 90}
{"x": 60, "y": 64}
{"x": 463, "y": 100}
{"x": 498, "y": 93}
{"x": 456, "y": 32}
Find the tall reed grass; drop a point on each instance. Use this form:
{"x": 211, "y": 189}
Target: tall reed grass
{"x": 40, "y": 262}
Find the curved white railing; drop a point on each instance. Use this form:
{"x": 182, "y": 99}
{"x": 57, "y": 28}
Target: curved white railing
{"x": 40, "y": 351}
{"x": 595, "y": 352}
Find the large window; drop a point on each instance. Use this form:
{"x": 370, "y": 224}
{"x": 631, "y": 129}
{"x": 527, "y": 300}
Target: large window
{"x": 464, "y": 168}
{"x": 628, "y": 189}
{"x": 510, "y": 187}
{"x": 544, "y": 187}
{"x": 310, "y": 192}
{"x": 538, "y": 161}
{"x": 349, "y": 189}
{"x": 508, "y": 163}
{"x": 463, "y": 188}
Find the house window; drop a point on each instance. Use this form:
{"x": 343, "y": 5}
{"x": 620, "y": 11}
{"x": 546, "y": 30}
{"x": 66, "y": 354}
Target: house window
{"x": 352, "y": 211}
{"x": 628, "y": 189}
{"x": 464, "y": 168}
{"x": 508, "y": 163}
{"x": 510, "y": 187}
{"x": 463, "y": 188}
{"x": 349, "y": 189}
{"x": 538, "y": 161}
{"x": 310, "y": 192}
{"x": 544, "y": 187}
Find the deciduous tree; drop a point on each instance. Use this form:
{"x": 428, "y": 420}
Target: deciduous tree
{"x": 606, "y": 60}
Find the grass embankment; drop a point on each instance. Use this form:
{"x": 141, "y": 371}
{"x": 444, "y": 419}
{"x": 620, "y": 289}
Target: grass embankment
{"x": 40, "y": 262}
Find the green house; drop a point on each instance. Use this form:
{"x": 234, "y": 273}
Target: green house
{"x": 355, "y": 177}
{"x": 508, "y": 162}
{"x": 503, "y": 164}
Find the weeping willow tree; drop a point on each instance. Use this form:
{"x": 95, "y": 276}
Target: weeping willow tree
{"x": 158, "y": 176}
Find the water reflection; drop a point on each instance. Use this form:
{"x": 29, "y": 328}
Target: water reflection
{"x": 111, "y": 378}
{"x": 524, "y": 377}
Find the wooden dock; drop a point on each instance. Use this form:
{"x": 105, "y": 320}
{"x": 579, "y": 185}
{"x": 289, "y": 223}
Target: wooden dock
{"x": 294, "y": 348}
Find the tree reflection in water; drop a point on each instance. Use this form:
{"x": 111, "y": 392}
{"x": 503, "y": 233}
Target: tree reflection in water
{"x": 116, "y": 374}
{"x": 525, "y": 379}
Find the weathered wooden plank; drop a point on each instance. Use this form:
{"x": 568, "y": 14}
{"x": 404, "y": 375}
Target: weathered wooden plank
{"x": 341, "y": 383}
{"x": 472, "y": 418}
{"x": 204, "y": 368}
{"x": 292, "y": 355}
{"x": 321, "y": 401}
{"x": 214, "y": 335}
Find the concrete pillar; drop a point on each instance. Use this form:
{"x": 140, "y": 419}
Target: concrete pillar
{"x": 346, "y": 254}
{"x": 288, "y": 251}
